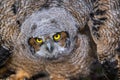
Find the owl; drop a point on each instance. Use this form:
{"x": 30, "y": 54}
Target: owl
{"x": 54, "y": 39}
{"x": 50, "y": 41}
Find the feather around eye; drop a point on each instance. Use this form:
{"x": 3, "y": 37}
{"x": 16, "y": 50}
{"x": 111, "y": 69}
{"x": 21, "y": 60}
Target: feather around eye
{"x": 57, "y": 37}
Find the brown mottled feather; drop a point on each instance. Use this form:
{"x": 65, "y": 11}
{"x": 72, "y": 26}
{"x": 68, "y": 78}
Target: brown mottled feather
{"x": 105, "y": 29}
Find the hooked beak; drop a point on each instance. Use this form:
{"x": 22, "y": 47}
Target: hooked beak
{"x": 49, "y": 46}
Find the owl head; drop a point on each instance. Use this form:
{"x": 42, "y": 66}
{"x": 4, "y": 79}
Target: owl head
{"x": 51, "y": 33}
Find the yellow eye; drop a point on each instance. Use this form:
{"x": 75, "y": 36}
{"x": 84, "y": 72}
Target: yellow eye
{"x": 39, "y": 40}
{"x": 56, "y": 37}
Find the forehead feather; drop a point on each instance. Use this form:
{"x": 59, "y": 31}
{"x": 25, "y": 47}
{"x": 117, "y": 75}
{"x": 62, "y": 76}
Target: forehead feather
{"x": 49, "y": 21}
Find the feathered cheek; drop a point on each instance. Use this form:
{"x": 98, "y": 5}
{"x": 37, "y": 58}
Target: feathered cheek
{"x": 64, "y": 39}
{"x": 62, "y": 42}
{"x": 34, "y": 44}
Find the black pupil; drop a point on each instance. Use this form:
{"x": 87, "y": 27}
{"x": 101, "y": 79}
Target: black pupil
{"x": 39, "y": 39}
{"x": 56, "y": 35}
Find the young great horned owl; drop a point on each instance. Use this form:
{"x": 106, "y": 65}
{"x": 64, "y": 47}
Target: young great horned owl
{"x": 49, "y": 41}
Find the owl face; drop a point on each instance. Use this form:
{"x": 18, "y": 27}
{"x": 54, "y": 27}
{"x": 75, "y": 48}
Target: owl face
{"x": 51, "y": 33}
{"x": 51, "y": 45}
